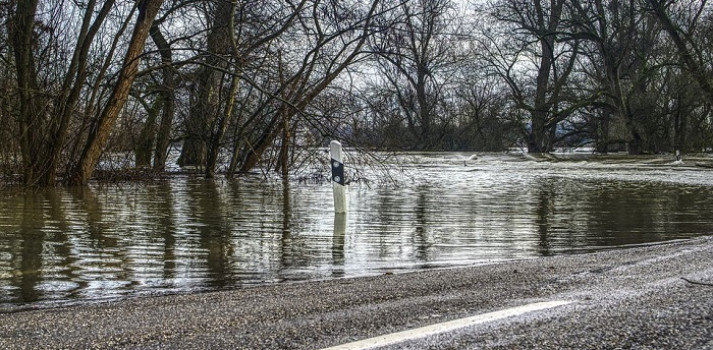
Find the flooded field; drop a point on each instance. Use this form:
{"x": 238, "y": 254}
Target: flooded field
{"x": 187, "y": 234}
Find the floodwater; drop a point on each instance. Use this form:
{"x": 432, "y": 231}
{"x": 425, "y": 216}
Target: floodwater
{"x": 79, "y": 245}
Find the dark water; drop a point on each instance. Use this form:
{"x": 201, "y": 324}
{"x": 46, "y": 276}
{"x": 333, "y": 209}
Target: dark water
{"x": 182, "y": 235}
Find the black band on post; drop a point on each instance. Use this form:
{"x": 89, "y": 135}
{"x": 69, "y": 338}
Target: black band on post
{"x": 337, "y": 172}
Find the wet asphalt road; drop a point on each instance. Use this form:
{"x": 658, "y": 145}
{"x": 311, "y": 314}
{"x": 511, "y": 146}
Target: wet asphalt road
{"x": 621, "y": 299}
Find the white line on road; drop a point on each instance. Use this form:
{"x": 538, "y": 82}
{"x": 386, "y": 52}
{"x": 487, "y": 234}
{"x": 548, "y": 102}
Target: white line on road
{"x": 400, "y": 337}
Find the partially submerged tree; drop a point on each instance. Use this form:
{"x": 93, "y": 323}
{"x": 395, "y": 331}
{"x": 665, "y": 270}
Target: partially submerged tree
{"x": 49, "y": 90}
{"x": 101, "y": 129}
{"x": 617, "y": 43}
{"x": 684, "y": 35}
{"x": 332, "y": 43}
{"x": 529, "y": 51}
{"x": 416, "y": 57}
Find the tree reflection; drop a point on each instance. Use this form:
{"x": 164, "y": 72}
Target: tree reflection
{"x": 96, "y": 226}
{"x": 64, "y": 257}
{"x": 622, "y": 214}
{"x": 160, "y": 206}
{"x": 544, "y": 212}
{"x": 422, "y": 221}
{"x": 286, "y": 237}
{"x": 340, "y": 228}
{"x": 211, "y": 215}
{"x": 32, "y": 243}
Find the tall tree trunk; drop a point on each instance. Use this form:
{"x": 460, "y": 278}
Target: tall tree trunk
{"x": 147, "y": 135}
{"x": 235, "y": 156}
{"x": 223, "y": 122}
{"x": 72, "y": 87}
{"x": 542, "y": 123}
{"x": 680, "y": 131}
{"x": 207, "y": 94}
{"x": 602, "y": 133}
{"x": 167, "y": 94}
{"x": 218, "y": 131}
{"x": 539, "y": 135}
{"x": 98, "y": 136}
{"x": 21, "y": 29}
{"x": 284, "y": 163}
{"x": 538, "y": 138}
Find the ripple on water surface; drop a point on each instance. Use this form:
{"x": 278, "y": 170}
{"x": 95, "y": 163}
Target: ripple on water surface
{"x": 79, "y": 245}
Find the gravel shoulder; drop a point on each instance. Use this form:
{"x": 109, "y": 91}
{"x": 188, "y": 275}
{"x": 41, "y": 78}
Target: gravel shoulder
{"x": 633, "y": 298}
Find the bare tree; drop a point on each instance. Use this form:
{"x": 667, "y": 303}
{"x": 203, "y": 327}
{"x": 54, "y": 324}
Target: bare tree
{"x": 684, "y": 35}
{"x": 99, "y": 133}
{"x": 417, "y": 56}
{"x": 636, "y": 72}
{"x": 154, "y": 140}
{"x": 527, "y": 49}
{"x": 206, "y": 96}
{"x": 334, "y": 35}
{"x": 52, "y": 43}
{"x": 617, "y": 40}
{"x": 483, "y": 124}
{"x": 244, "y": 44}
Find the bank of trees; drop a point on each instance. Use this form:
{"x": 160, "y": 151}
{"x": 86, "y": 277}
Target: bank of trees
{"x": 623, "y": 75}
{"x": 234, "y": 86}
{"x": 628, "y": 75}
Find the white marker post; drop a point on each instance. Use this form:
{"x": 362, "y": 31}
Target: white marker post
{"x": 338, "y": 187}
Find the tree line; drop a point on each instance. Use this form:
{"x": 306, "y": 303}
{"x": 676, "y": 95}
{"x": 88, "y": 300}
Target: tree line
{"x": 238, "y": 85}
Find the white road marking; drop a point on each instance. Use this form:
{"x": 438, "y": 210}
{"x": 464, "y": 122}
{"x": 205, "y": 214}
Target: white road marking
{"x": 400, "y": 337}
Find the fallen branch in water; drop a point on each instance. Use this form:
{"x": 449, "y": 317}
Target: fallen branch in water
{"x": 696, "y": 282}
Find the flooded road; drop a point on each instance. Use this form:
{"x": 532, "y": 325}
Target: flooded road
{"x": 187, "y": 234}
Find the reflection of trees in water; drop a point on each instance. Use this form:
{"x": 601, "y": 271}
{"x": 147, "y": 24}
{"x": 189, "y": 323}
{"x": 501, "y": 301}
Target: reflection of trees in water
{"x": 42, "y": 244}
{"x": 96, "y": 225}
{"x": 575, "y": 213}
{"x": 404, "y": 216}
{"x": 286, "y": 238}
{"x": 303, "y": 247}
{"x": 211, "y": 212}
{"x": 383, "y": 210}
{"x": 340, "y": 227}
{"x": 63, "y": 243}
{"x": 625, "y": 214}
{"x": 544, "y": 211}
{"x": 634, "y": 214}
{"x": 60, "y": 238}
{"x": 308, "y": 241}
{"x": 421, "y": 239}
{"x": 686, "y": 219}
{"x": 32, "y": 242}
{"x": 103, "y": 258}
{"x": 161, "y": 208}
